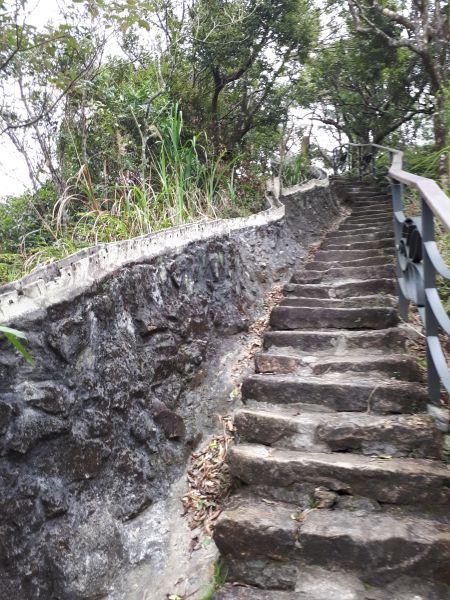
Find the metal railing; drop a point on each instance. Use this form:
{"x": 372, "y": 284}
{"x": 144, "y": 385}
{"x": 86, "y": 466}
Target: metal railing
{"x": 418, "y": 259}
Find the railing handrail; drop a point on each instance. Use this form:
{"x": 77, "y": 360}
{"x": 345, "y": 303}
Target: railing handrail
{"x": 430, "y": 191}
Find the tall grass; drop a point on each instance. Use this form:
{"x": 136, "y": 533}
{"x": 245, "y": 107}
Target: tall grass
{"x": 185, "y": 184}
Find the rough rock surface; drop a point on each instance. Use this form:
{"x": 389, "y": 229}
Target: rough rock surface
{"x": 99, "y": 427}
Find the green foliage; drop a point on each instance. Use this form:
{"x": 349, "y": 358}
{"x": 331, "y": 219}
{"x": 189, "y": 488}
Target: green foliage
{"x": 424, "y": 160}
{"x": 23, "y": 220}
{"x": 365, "y": 88}
{"x": 295, "y": 171}
{"x": 184, "y": 184}
{"x": 14, "y": 336}
{"x": 218, "y": 580}
{"x": 238, "y": 62}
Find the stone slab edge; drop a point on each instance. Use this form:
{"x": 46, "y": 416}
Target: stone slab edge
{"x": 70, "y": 277}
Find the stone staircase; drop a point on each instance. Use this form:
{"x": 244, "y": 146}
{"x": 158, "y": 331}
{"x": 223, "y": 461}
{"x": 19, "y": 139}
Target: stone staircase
{"x": 342, "y": 494}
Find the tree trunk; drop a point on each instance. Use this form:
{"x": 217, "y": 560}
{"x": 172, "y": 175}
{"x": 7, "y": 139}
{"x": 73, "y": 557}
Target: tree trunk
{"x": 440, "y": 135}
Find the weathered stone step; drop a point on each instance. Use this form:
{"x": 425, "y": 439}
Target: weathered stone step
{"x": 365, "y": 193}
{"x": 375, "y": 272}
{"x": 369, "y": 209}
{"x": 378, "y": 202}
{"x": 404, "y": 481}
{"x": 376, "y": 546}
{"x": 235, "y": 592}
{"x": 384, "y": 271}
{"x": 337, "y": 393}
{"x": 354, "y": 185}
{"x": 374, "y": 248}
{"x": 376, "y": 224}
{"x": 371, "y": 261}
{"x": 255, "y": 539}
{"x": 373, "y": 226}
{"x": 346, "y": 254}
{"x": 315, "y": 583}
{"x": 382, "y": 224}
{"x": 382, "y": 233}
{"x": 371, "y": 248}
{"x": 342, "y": 290}
{"x": 396, "y": 366}
{"x": 374, "y": 214}
{"x": 379, "y": 548}
{"x": 384, "y": 221}
{"x": 311, "y": 342}
{"x": 383, "y": 243}
{"x": 393, "y": 435}
{"x": 307, "y": 277}
{"x": 349, "y": 240}
{"x": 292, "y": 317}
{"x": 381, "y": 198}
{"x": 366, "y": 225}
{"x": 383, "y": 240}
{"x": 357, "y": 302}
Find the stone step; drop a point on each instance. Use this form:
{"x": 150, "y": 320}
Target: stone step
{"x": 382, "y": 223}
{"x": 360, "y": 225}
{"x": 335, "y": 273}
{"x": 380, "y": 247}
{"x": 371, "y": 261}
{"x": 374, "y": 226}
{"x": 376, "y": 546}
{"x": 385, "y": 271}
{"x": 357, "y": 302}
{"x": 354, "y": 186}
{"x": 368, "y": 212}
{"x": 346, "y": 254}
{"x": 243, "y": 592}
{"x": 369, "y": 223}
{"x": 395, "y": 366}
{"x": 383, "y": 243}
{"x": 349, "y": 240}
{"x": 372, "y": 209}
{"x": 381, "y": 198}
{"x": 373, "y": 236}
{"x": 315, "y": 583}
{"x": 364, "y": 193}
{"x": 393, "y": 435}
{"x": 400, "y": 481}
{"x": 370, "y": 220}
{"x": 255, "y": 540}
{"x": 371, "y": 248}
{"x": 342, "y": 290}
{"x": 337, "y": 342}
{"x": 337, "y": 392}
{"x": 293, "y": 317}
{"x": 380, "y": 201}
{"x": 307, "y": 277}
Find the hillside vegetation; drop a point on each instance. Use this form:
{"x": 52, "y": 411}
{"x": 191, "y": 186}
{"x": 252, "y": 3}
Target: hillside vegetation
{"x": 134, "y": 116}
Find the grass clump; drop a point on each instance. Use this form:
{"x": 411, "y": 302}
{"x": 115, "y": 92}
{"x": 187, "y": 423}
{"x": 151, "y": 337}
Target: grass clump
{"x": 219, "y": 579}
